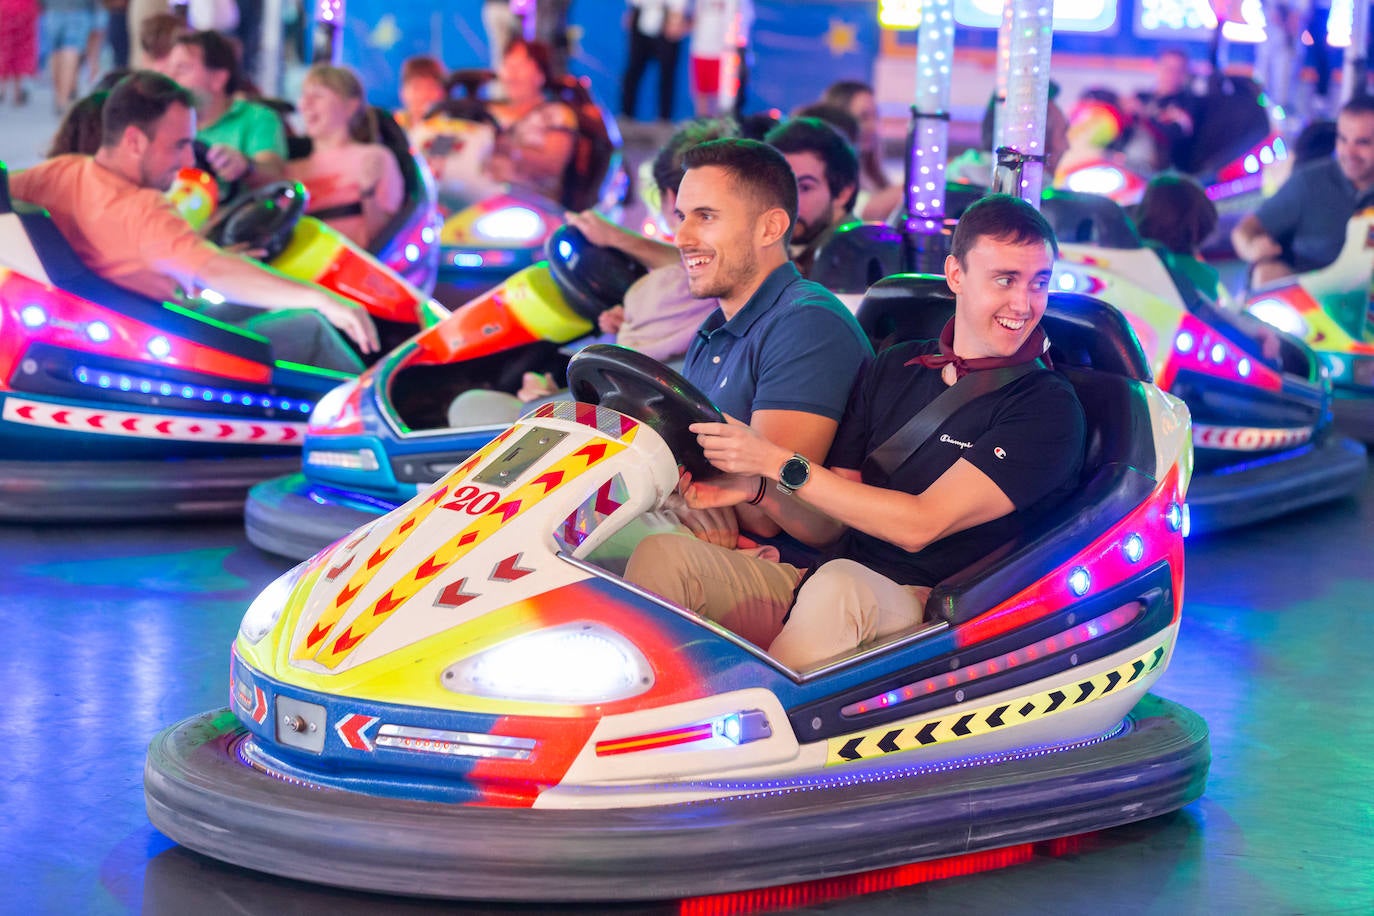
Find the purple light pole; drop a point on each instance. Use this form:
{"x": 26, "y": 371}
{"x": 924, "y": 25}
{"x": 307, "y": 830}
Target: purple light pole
{"x": 329, "y": 24}
{"x": 928, "y": 141}
{"x": 1020, "y": 143}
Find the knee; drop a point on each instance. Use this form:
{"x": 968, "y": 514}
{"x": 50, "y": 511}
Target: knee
{"x": 657, "y": 566}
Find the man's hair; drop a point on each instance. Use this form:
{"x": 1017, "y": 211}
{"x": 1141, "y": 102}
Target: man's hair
{"x": 834, "y": 115}
{"x": 140, "y": 100}
{"x": 1003, "y": 218}
{"x": 1359, "y": 104}
{"x": 668, "y": 168}
{"x": 423, "y": 67}
{"x": 1176, "y": 212}
{"x": 756, "y": 168}
{"x": 218, "y": 53}
{"x": 158, "y": 33}
{"x": 843, "y": 92}
{"x": 812, "y": 135}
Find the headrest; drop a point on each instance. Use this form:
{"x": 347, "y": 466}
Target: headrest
{"x": 1080, "y": 218}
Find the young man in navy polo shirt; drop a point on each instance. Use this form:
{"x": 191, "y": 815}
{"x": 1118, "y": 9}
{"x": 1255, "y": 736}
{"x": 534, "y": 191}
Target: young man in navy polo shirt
{"x": 995, "y": 463}
{"x": 780, "y": 353}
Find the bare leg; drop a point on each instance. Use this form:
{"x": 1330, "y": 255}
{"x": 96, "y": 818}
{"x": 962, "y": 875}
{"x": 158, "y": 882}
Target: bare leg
{"x": 65, "y": 63}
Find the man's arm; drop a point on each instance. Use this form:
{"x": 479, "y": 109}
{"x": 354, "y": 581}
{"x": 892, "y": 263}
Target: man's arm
{"x": 601, "y": 231}
{"x": 806, "y": 434}
{"x": 1252, "y": 243}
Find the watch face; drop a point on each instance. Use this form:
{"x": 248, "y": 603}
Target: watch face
{"x": 795, "y": 472}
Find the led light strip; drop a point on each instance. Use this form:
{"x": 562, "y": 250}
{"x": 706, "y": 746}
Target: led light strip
{"x": 106, "y": 380}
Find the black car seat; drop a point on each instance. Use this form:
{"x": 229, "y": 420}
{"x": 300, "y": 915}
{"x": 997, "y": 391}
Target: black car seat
{"x": 596, "y": 151}
{"x": 1090, "y": 219}
{"x": 1231, "y": 122}
{"x": 1094, "y": 347}
{"x": 68, "y": 272}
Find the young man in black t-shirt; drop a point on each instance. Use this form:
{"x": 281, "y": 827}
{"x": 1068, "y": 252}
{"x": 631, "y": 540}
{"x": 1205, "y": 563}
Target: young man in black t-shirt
{"x": 998, "y": 461}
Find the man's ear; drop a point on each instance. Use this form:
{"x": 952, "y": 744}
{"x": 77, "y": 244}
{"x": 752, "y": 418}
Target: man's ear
{"x": 845, "y": 199}
{"x": 135, "y": 141}
{"x": 954, "y": 273}
{"x": 773, "y": 225}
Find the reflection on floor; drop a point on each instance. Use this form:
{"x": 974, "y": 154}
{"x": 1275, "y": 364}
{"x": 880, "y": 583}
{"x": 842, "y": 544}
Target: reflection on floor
{"x": 112, "y": 633}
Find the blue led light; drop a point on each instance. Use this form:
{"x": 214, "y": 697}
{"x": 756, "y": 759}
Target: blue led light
{"x": 1079, "y": 581}
{"x": 103, "y": 381}
{"x": 730, "y": 727}
{"x": 98, "y": 331}
{"x": 86, "y": 376}
{"x": 207, "y": 395}
{"x": 284, "y": 405}
{"x": 1134, "y": 548}
{"x": 83, "y": 376}
{"x": 412, "y": 252}
{"x": 246, "y": 400}
{"x": 33, "y": 316}
{"x": 565, "y": 249}
{"x": 1174, "y": 516}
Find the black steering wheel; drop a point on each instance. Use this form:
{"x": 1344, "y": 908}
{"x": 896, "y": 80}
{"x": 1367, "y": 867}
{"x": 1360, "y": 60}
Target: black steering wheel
{"x": 637, "y": 386}
{"x": 263, "y": 218}
{"x": 591, "y": 278}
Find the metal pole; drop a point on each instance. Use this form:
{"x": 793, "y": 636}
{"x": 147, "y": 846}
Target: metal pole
{"x": 269, "y": 75}
{"x": 1355, "y": 70}
{"x": 329, "y": 25}
{"x": 928, "y": 141}
{"x": 1021, "y": 148}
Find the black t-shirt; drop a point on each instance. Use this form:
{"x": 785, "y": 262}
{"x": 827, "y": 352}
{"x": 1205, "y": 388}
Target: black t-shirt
{"x": 1027, "y": 437}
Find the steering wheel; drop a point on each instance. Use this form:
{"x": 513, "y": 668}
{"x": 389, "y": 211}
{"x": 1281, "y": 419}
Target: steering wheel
{"x": 592, "y": 278}
{"x": 263, "y": 218}
{"x": 637, "y": 386}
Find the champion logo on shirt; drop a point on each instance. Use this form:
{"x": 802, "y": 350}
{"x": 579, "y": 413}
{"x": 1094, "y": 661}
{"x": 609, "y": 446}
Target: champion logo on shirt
{"x": 1000, "y": 452}
{"x": 946, "y": 438}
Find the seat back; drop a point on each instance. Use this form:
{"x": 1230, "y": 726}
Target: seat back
{"x": 419, "y": 193}
{"x": 1089, "y": 219}
{"x": 1232, "y": 121}
{"x": 1093, "y": 345}
{"x": 596, "y": 150}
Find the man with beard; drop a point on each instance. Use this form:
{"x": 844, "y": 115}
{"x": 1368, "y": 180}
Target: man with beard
{"x": 779, "y": 353}
{"x": 112, "y": 210}
{"x": 827, "y": 170}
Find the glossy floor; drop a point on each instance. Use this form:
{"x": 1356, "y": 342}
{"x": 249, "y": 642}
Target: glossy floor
{"x": 112, "y": 633}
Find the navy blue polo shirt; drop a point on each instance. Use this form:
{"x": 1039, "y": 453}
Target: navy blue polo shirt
{"x": 793, "y": 346}
{"x": 1308, "y": 214}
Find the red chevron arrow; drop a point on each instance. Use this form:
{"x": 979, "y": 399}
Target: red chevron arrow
{"x": 347, "y": 641}
{"x": 454, "y": 596}
{"x": 131, "y": 424}
{"x": 406, "y": 525}
{"x": 436, "y": 495}
{"x": 378, "y": 556}
{"x": 334, "y": 573}
{"x": 288, "y": 433}
{"x": 165, "y": 427}
{"x": 26, "y": 411}
{"x": 346, "y": 594}
{"x": 604, "y": 504}
{"x": 225, "y": 430}
{"x": 61, "y": 417}
{"x": 549, "y": 480}
{"x": 195, "y": 429}
{"x": 96, "y": 420}
{"x": 594, "y": 452}
{"x": 319, "y": 632}
{"x": 508, "y": 570}
{"x": 257, "y": 432}
{"x": 429, "y": 569}
{"x": 259, "y": 710}
{"x": 386, "y": 604}
{"x": 352, "y": 730}
{"x": 507, "y": 509}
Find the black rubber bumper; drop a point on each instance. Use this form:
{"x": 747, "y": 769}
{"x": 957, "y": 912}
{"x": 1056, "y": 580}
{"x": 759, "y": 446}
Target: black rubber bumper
{"x": 202, "y": 796}
{"x": 1332, "y": 469}
{"x": 1354, "y": 414}
{"x": 281, "y": 517}
{"x": 68, "y": 491}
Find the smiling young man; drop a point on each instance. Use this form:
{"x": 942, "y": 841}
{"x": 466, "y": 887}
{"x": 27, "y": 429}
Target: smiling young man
{"x": 780, "y": 353}
{"x": 896, "y": 521}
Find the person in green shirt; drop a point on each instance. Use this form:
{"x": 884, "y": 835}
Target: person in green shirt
{"x": 247, "y": 140}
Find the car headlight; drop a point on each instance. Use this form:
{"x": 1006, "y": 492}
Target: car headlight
{"x": 262, "y": 615}
{"x": 574, "y": 663}
{"x": 510, "y": 224}
{"x": 339, "y": 411}
{"x": 1279, "y": 314}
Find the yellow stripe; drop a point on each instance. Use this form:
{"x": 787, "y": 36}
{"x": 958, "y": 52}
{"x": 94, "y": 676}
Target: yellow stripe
{"x": 313, "y": 247}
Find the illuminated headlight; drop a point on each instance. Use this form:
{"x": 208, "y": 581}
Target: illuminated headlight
{"x": 1280, "y": 314}
{"x": 575, "y": 663}
{"x": 412, "y": 252}
{"x": 512, "y": 224}
{"x": 1097, "y": 179}
{"x": 1079, "y": 581}
{"x": 361, "y": 459}
{"x": 328, "y": 408}
{"x": 159, "y": 347}
{"x": 98, "y": 331}
{"x": 265, "y": 611}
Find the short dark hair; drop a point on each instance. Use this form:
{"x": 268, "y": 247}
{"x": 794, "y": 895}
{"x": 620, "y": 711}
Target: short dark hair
{"x": 812, "y": 135}
{"x": 841, "y": 93}
{"x": 218, "y": 53}
{"x": 1176, "y": 212}
{"x": 1004, "y": 218}
{"x": 540, "y": 53}
{"x": 834, "y": 115}
{"x": 423, "y": 67}
{"x": 1359, "y": 104}
{"x": 754, "y": 167}
{"x": 140, "y": 100}
{"x": 81, "y": 130}
{"x": 158, "y": 33}
{"x": 668, "y": 168}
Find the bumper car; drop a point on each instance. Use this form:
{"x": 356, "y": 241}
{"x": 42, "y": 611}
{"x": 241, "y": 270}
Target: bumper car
{"x": 487, "y": 234}
{"x": 374, "y": 442}
{"x": 1263, "y": 439}
{"x": 459, "y": 701}
{"x": 117, "y": 406}
{"x": 1329, "y": 310}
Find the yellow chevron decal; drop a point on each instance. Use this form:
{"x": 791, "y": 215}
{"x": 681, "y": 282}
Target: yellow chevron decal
{"x": 909, "y": 735}
{"x": 335, "y": 649}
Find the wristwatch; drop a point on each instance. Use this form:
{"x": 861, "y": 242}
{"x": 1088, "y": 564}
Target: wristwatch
{"x": 796, "y": 471}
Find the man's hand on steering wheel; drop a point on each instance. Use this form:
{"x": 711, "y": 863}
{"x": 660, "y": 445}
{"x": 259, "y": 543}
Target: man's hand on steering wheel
{"x": 228, "y": 163}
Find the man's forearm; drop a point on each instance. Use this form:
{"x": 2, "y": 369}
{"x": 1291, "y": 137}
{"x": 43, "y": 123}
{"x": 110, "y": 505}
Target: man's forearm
{"x": 246, "y": 282}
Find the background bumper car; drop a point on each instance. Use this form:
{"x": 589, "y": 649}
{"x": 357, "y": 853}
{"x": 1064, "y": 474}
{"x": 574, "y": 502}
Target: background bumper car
{"x": 375, "y": 442}
{"x": 1329, "y": 309}
{"x": 487, "y": 238}
{"x": 459, "y": 701}
{"x": 116, "y": 406}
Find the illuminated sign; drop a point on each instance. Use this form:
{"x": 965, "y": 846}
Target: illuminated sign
{"x": 1069, "y": 15}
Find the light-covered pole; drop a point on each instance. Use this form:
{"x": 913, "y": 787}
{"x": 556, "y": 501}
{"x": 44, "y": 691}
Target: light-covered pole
{"x": 1355, "y": 70}
{"x": 329, "y": 26}
{"x": 1020, "y": 147}
{"x": 928, "y": 141}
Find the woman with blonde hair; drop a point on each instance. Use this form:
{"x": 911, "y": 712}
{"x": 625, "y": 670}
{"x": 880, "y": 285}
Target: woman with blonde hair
{"x": 355, "y": 183}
